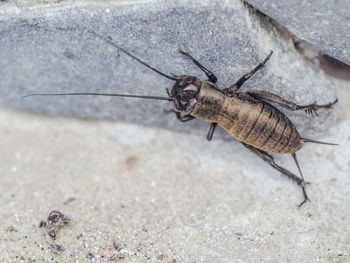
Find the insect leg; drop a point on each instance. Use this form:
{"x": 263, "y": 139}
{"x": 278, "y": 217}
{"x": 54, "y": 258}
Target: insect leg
{"x": 275, "y": 99}
{"x": 211, "y": 131}
{"x": 270, "y": 160}
{"x": 233, "y": 88}
{"x": 182, "y": 118}
{"x": 302, "y": 178}
{"x": 207, "y": 72}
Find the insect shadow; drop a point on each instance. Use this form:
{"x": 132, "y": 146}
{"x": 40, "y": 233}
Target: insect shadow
{"x": 251, "y": 117}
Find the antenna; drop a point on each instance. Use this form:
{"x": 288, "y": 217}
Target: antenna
{"x": 100, "y": 94}
{"x": 109, "y": 41}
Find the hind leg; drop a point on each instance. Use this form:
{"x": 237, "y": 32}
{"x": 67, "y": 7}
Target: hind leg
{"x": 270, "y": 160}
{"x": 275, "y": 99}
{"x": 302, "y": 178}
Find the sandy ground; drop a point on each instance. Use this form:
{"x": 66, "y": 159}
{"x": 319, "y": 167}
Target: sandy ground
{"x": 143, "y": 194}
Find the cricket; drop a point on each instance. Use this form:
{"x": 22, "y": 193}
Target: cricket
{"x": 251, "y": 117}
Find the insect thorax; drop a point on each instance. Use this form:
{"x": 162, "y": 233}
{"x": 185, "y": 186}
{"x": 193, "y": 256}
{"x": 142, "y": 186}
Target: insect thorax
{"x": 209, "y": 102}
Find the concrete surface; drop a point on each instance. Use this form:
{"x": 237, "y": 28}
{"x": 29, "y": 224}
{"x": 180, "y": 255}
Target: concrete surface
{"x": 325, "y": 24}
{"x": 53, "y": 47}
{"x": 144, "y": 194}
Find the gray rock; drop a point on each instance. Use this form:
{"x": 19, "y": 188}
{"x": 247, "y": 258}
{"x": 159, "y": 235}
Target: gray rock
{"x": 325, "y": 24}
{"x": 54, "y": 48}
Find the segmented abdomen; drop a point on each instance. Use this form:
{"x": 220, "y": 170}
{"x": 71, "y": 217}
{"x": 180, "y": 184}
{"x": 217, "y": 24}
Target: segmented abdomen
{"x": 259, "y": 124}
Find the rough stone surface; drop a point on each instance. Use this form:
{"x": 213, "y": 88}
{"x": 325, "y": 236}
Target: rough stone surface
{"x": 50, "y": 47}
{"x": 151, "y": 195}
{"x": 324, "y": 24}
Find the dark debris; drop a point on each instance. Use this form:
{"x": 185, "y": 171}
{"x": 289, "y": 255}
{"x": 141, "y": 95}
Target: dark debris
{"x": 56, "y": 249}
{"x": 55, "y": 221}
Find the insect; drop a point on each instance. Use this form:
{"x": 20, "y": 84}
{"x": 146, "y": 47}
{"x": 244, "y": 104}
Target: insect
{"x": 251, "y": 117}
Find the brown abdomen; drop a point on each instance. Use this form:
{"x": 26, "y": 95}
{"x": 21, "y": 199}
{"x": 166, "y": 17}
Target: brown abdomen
{"x": 253, "y": 122}
{"x": 259, "y": 124}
